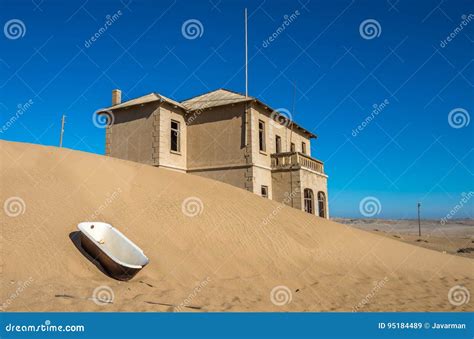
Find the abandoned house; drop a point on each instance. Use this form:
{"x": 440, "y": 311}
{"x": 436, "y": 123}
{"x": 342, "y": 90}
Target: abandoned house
{"x": 221, "y": 135}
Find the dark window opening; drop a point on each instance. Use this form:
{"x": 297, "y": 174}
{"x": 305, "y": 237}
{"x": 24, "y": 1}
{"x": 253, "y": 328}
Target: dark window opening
{"x": 322, "y": 204}
{"x": 265, "y": 191}
{"x": 175, "y": 136}
{"x": 277, "y": 144}
{"x": 261, "y": 135}
{"x": 308, "y": 201}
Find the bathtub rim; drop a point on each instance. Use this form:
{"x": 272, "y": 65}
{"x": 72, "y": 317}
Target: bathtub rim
{"x": 82, "y": 228}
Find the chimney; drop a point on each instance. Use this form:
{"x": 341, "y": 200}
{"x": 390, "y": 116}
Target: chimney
{"x": 116, "y": 97}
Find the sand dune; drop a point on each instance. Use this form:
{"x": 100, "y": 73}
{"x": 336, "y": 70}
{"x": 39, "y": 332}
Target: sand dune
{"x": 228, "y": 257}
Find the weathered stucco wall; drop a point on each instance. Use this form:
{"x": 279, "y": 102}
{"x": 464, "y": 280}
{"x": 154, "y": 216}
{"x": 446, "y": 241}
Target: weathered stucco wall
{"x": 130, "y": 137}
{"x": 233, "y": 176}
{"x": 262, "y": 176}
{"x": 287, "y": 188}
{"x": 216, "y": 137}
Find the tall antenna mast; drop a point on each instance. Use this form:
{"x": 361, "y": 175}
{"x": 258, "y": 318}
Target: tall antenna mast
{"x": 293, "y": 112}
{"x": 246, "y": 59}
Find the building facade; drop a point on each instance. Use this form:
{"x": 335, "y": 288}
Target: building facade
{"x": 221, "y": 135}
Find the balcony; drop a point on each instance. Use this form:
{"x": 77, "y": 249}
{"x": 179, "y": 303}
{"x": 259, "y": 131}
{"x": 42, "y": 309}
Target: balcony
{"x": 296, "y": 160}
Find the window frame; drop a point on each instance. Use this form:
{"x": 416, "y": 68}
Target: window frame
{"x": 262, "y": 188}
{"x": 308, "y": 201}
{"x": 303, "y": 147}
{"x": 292, "y": 147}
{"x": 178, "y": 136}
{"x": 322, "y": 204}
{"x": 261, "y": 136}
{"x": 277, "y": 144}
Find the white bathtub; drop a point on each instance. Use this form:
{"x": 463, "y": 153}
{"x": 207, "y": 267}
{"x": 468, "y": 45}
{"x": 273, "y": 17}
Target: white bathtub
{"x": 117, "y": 254}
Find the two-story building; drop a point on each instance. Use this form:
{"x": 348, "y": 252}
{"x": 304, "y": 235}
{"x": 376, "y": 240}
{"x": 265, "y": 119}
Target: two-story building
{"x": 221, "y": 135}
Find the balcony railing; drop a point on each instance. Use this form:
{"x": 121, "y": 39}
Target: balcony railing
{"x": 289, "y": 160}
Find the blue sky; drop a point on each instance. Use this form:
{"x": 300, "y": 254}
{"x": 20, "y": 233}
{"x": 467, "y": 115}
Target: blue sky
{"x": 409, "y": 152}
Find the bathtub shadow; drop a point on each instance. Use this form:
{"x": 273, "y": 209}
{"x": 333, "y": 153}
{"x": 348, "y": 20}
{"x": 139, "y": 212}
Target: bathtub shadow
{"x": 76, "y": 240}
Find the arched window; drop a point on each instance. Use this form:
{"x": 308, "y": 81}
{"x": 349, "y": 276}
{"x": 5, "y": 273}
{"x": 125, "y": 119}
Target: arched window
{"x": 308, "y": 201}
{"x": 322, "y": 204}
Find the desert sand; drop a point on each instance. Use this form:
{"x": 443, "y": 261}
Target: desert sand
{"x": 227, "y": 254}
{"x": 454, "y": 237}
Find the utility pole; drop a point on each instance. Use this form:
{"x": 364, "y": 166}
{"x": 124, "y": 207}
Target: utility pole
{"x": 63, "y": 121}
{"x": 419, "y": 223}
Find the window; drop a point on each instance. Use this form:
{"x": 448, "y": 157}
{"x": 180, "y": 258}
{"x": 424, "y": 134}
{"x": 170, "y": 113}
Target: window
{"x": 308, "y": 201}
{"x": 175, "y": 137}
{"x": 303, "y": 148}
{"x": 322, "y": 204}
{"x": 292, "y": 147}
{"x": 265, "y": 191}
{"x": 261, "y": 135}
{"x": 277, "y": 144}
